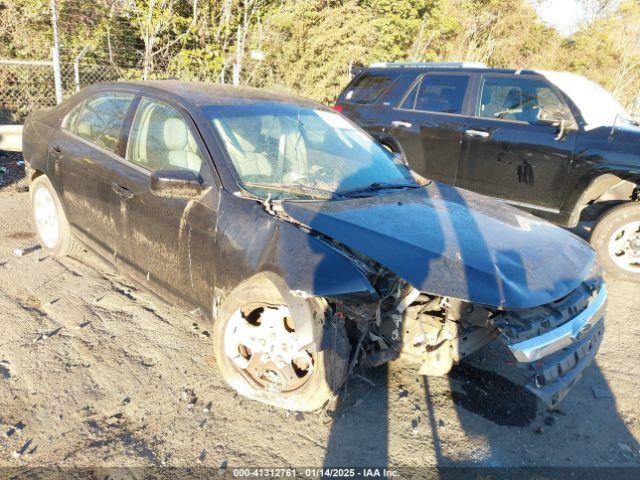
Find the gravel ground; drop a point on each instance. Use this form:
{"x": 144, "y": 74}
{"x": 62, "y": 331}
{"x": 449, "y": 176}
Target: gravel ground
{"x": 96, "y": 373}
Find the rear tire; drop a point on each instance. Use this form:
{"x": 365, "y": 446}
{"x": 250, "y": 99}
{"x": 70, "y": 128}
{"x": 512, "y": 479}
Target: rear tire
{"x": 328, "y": 367}
{"x": 52, "y": 226}
{"x": 616, "y": 239}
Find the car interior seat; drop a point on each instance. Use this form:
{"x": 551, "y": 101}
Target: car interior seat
{"x": 513, "y": 101}
{"x": 292, "y": 153}
{"x": 243, "y": 149}
{"x": 181, "y": 146}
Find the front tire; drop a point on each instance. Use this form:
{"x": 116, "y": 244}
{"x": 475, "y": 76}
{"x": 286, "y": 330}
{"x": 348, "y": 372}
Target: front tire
{"x": 258, "y": 354}
{"x": 616, "y": 239}
{"x": 52, "y": 226}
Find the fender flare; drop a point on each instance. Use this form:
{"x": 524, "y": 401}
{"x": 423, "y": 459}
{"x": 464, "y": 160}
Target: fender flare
{"x": 617, "y": 183}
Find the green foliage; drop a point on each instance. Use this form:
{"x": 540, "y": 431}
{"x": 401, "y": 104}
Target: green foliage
{"x": 197, "y": 64}
{"x": 308, "y": 45}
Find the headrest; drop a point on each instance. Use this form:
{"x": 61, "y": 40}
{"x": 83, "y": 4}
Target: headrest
{"x": 513, "y": 99}
{"x": 176, "y": 134}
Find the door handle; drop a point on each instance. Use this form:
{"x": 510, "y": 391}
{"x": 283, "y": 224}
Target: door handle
{"x": 122, "y": 191}
{"x": 400, "y": 123}
{"x": 476, "y": 133}
{"x": 55, "y": 151}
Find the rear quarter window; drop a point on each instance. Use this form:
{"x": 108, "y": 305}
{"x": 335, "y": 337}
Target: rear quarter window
{"x": 368, "y": 87}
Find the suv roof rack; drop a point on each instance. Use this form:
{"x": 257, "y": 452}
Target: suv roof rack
{"x": 428, "y": 65}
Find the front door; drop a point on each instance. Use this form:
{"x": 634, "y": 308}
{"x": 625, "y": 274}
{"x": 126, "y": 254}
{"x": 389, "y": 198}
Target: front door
{"x": 509, "y": 151}
{"x": 429, "y": 122}
{"x": 166, "y": 242}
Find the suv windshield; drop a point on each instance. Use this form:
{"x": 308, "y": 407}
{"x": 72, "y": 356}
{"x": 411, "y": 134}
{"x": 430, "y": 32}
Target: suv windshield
{"x": 284, "y": 151}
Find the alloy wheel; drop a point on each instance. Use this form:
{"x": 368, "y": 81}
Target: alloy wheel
{"x": 624, "y": 247}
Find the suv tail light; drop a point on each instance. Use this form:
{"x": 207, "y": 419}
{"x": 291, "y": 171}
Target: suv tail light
{"x": 337, "y": 108}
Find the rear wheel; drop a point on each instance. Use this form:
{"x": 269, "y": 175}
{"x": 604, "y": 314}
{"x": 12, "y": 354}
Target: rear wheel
{"x": 616, "y": 239}
{"x": 52, "y": 227}
{"x": 261, "y": 355}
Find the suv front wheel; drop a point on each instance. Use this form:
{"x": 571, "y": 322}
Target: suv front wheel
{"x": 616, "y": 239}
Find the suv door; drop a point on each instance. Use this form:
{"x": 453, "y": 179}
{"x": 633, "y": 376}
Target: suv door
{"x": 166, "y": 242}
{"x": 511, "y": 149}
{"x": 369, "y": 97}
{"x": 82, "y": 155}
{"x": 429, "y": 122}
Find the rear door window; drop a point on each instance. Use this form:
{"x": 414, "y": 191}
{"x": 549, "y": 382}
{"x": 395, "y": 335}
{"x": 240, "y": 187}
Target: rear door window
{"x": 101, "y": 119}
{"x": 368, "y": 87}
{"x": 441, "y": 93}
{"x": 69, "y": 122}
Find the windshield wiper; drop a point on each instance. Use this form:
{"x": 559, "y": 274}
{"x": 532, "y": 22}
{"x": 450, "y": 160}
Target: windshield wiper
{"x": 377, "y": 186}
{"x": 295, "y": 188}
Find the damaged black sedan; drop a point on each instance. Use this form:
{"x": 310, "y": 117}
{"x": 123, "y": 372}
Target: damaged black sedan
{"x": 309, "y": 246}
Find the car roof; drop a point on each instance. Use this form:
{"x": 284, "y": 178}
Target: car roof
{"x": 422, "y": 69}
{"x": 205, "y": 93}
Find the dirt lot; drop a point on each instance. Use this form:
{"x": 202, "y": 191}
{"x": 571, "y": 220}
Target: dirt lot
{"x": 95, "y": 373}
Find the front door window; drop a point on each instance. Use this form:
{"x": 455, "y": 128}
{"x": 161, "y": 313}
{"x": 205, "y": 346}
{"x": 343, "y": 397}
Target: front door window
{"x": 528, "y": 100}
{"x": 161, "y": 139}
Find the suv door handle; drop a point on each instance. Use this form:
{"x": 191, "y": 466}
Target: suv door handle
{"x": 400, "y": 123}
{"x": 121, "y": 191}
{"x": 476, "y": 133}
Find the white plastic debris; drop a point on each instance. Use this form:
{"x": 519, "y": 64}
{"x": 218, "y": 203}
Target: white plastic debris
{"x": 21, "y": 252}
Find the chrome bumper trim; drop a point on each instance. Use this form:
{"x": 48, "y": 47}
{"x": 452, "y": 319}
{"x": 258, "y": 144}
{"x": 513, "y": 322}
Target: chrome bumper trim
{"x": 565, "y": 335}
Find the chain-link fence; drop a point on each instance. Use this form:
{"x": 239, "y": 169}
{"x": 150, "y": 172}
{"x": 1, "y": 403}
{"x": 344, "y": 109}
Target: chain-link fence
{"x": 26, "y": 86}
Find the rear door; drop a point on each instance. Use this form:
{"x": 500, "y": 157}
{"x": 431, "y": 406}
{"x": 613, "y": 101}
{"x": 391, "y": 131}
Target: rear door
{"x": 166, "y": 242}
{"x": 371, "y": 95}
{"x": 508, "y": 151}
{"x": 82, "y": 155}
{"x": 429, "y": 121}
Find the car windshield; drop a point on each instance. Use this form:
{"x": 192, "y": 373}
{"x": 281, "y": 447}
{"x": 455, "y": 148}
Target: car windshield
{"x": 284, "y": 151}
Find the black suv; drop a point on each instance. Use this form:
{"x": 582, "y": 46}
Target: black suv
{"x": 553, "y": 143}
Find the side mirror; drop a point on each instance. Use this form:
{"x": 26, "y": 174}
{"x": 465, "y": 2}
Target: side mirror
{"x": 176, "y": 184}
{"x": 556, "y": 118}
{"x": 398, "y": 157}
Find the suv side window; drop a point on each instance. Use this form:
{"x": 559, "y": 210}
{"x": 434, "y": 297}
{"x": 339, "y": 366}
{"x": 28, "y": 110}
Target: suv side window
{"x": 101, "y": 119}
{"x": 160, "y": 139}
{"x": 368, "y": 87}
{"x": 521, "y": 99}
{"x": 439, "y": 93}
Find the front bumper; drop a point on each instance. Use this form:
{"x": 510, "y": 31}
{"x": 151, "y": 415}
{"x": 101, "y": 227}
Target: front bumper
{"x": 556, "y": 359}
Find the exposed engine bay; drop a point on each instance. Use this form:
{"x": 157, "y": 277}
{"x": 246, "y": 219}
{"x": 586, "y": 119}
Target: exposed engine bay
{"x": 439, "y": 332}
{"x": 435, "y": 331}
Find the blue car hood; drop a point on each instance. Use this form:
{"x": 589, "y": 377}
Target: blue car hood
{"x": 451, "y": 242}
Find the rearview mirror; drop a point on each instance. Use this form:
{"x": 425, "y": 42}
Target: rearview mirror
{"x": 176, "y": 184}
